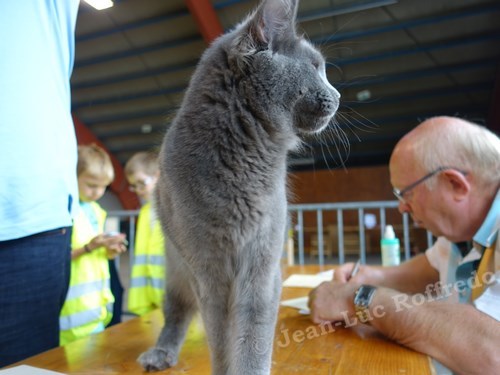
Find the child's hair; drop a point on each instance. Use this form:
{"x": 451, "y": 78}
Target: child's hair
{"x": 146, "y": 162}
{"x": 93, "y": 160}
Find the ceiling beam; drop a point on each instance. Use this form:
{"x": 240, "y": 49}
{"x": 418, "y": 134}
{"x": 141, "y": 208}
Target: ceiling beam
{"x": 131, "y": 26}
{"x": 206, "y": 18}
{"x": 132, "y": 52}
{"x": 108, "y": 80}
{"x": 425, "y": 48}
{"x": 435, "y": 21}
{"x": 353, "y": 7}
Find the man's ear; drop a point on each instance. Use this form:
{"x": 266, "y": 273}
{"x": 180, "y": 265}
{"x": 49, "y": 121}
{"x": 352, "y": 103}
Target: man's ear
{"x": 458, "y": 183}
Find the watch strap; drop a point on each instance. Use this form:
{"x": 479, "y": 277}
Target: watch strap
{"x": 362, "y": 300}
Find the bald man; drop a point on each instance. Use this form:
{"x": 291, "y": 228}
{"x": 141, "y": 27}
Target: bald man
{"x": 446, "y": 302}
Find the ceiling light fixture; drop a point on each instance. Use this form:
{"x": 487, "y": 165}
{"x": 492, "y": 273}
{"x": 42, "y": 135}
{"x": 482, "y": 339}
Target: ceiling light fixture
{"x": 100, "y": 4}
{"x": 363, "y": 95}
{"x": 146, "y": 128}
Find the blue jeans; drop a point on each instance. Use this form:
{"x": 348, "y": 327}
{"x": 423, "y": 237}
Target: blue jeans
{"x": 34, "y": 279}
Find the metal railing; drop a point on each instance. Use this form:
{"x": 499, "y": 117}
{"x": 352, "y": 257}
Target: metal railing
{"x": 296, "y": 224}
{"x": 296, "y": 215}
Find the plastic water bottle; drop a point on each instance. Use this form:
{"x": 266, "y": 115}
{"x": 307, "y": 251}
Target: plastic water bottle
{"x": 390, "y": 247}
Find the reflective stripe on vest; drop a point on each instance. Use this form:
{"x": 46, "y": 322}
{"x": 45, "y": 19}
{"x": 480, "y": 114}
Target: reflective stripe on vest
{"x": 139, "y": 282}
{"x": 80, "y": 290}
{"x": 79, "y": 319}
{"x": 158, "y": 260}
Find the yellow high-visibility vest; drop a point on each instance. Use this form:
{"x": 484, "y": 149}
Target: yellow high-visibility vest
{"x": 147, "y": 281}
{"x": 88, "y": 304}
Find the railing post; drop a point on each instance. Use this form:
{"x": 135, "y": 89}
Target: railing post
{"x": 319, "y": 216}
{"x": 406, "y": 236}
{"x": 362, "y": 243}
{"x": 289, "y": 245}
{"x": 300, "y": 235}
{"x": 382, "y": 221}
{"x": 340, "y": 235}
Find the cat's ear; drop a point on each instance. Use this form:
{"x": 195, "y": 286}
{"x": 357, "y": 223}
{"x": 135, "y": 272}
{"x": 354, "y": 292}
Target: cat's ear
{"x": 274, "y": 21}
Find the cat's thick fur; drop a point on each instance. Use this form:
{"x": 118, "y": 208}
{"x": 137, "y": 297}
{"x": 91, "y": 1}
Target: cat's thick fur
{"x": 222, "y": 189}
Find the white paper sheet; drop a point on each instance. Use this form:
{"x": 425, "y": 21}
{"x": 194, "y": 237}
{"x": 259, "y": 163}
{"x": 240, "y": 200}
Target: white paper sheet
{"x": 297, "y": 303}
{"x": 28, "y": 370}
{"x": 489, "y": 301}
{"x": 308, "y": 281}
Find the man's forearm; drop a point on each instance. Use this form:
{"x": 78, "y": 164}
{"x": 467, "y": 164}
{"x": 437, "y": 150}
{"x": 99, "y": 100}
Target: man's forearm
{"x": 459, "y": 336}
{"x": 412, "y": 276}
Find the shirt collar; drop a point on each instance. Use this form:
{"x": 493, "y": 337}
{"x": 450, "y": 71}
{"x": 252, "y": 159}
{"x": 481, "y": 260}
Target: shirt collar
{"x": 488, "y": 231}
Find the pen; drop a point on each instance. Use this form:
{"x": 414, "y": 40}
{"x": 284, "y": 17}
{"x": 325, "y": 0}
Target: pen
{"x": 355, "y": 269}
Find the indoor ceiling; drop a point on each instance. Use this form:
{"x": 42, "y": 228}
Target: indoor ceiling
{"x": 394, "y": 63}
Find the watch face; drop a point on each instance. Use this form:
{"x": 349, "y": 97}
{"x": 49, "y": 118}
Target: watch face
{"x": 364, "y": 295}
{"x": 362, "y": 300}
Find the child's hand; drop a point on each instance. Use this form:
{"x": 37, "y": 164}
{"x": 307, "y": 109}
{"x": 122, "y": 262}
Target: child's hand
{"x": 114, "y": 244}
{"x": 115, "y": 250}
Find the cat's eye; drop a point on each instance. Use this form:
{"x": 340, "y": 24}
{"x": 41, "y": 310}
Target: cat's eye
{"x": 317, "y": 63}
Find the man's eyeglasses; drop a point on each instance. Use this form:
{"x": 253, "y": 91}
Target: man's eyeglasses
{"x": 140, "y": 185}
{"x": 401, "y": 193}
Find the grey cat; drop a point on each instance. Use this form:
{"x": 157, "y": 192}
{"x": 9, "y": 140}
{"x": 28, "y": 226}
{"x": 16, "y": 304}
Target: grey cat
{"x": 222, "y": 190}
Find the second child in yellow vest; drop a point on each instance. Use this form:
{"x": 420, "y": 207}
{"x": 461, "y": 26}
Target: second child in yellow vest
{"x": 147, "y": 281}
{"x": 88, "y": 305}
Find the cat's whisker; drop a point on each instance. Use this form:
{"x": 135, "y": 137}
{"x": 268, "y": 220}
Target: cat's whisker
{"x": 348, "y": 125}
{"x": 337, "y": 67}
{"x": 334, "y": 136}
{"x": 366, "y": 124}
{"x": 344, "y": 139}
{"x": 355, "y": 81}
{"x": 325, "y": 158}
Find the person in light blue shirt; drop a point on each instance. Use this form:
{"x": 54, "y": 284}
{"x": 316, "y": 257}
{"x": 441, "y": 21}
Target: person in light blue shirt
{"x": 38, "y": 156}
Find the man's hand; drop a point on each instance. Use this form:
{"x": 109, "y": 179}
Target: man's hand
{"x": 372, "y": 275}
{"x": 332, "y": 301}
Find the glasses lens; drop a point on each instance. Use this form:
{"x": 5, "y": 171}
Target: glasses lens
{"x": 140, "y": 185}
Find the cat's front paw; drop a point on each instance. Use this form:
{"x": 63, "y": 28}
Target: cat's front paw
{"x": 156, "y": 359}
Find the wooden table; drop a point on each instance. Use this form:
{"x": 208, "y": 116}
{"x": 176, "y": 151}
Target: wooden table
{"x": 301, "y": 347}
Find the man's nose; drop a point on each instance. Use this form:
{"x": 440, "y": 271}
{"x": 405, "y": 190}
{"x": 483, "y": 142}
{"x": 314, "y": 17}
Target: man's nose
{"x": 404, "y": 207}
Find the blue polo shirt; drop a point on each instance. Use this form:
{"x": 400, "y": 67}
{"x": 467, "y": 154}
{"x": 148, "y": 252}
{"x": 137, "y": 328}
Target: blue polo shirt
{"x": 484, "y": 237}
{"x": 456, "y": 269}
{"x": 38, "y": 154}
{"x": 487, "y": 234}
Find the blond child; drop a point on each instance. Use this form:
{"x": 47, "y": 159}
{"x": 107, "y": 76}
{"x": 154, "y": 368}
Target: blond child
{"x": 88, "y": 305}
{"x": 147, "y": 282}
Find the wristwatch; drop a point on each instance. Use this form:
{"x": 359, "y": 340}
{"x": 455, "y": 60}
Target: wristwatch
{"x": 362, "y": 299}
